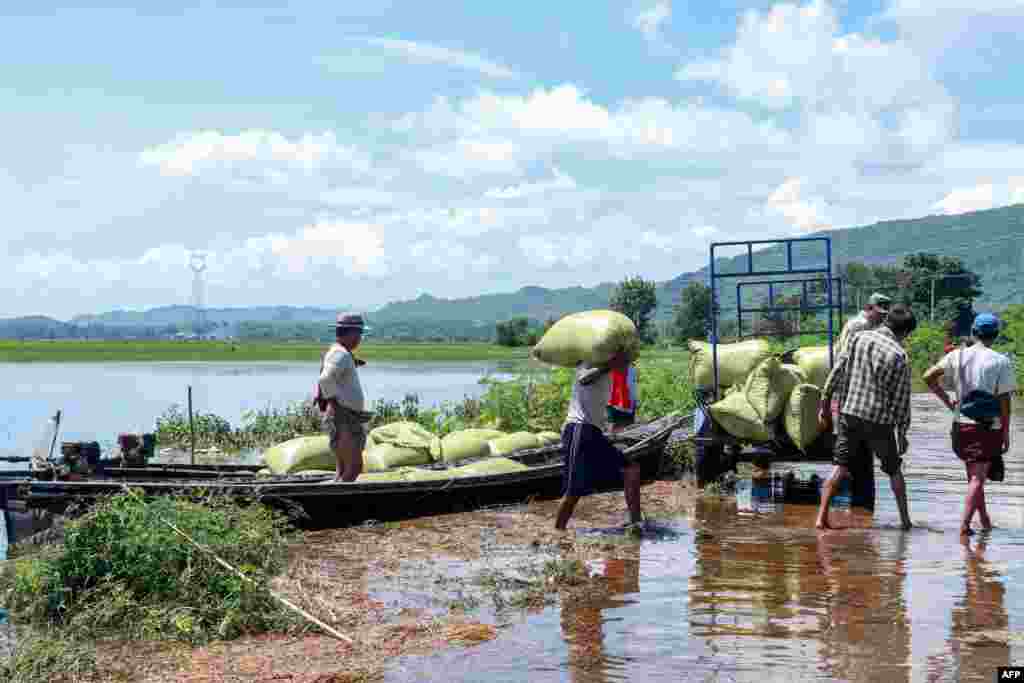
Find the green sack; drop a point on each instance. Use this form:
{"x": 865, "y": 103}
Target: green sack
{"x": 735, "y": 362}
{"x": 549, "y": 438}
{"x": 302, "y": 453}
{"x": 516, "y": 441}
{"x": 813, "y": 360}
{"x": 592, "y": 337}
{"x": 801, "y": 416}
{"x": 769, "y": 385}
{"x": 488, "y": 466}
{"x": 387, "y": 456}
{"x": 737, "y": 417}
{"x": 406, "y": 434}
{"x": 762, "y": 387}
{"x": 462, "y": 445}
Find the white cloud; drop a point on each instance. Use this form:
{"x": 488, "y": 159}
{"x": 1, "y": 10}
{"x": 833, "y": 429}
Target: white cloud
{"x": 967, "y": 199}
{"x": 880, "y": 93}
{"x": 191, "y": 154}
{"x": 703, "y": 231}
{"x": 380, "y": 49}
{"x": 804, "y": 214}
{"x": 561, "y": 181}
{"x": 918, "y": 8}
{"x": 651, "y": 21}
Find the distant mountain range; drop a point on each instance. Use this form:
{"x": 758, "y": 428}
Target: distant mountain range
{"x": 991, "y": 243}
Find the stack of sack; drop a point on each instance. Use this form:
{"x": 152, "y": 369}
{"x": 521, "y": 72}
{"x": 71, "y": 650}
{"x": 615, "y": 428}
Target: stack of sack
{"x": 762, "y": 390}
{"x": 394, "y": 450}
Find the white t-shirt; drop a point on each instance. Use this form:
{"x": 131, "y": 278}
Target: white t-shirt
{"x": 340, "y": 380}
{"x": 589, "y": 402}
{"x": 983, "y": 370}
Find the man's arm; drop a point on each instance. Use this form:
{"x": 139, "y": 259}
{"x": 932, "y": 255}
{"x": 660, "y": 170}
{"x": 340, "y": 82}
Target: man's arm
{"x": 1006, "y": 409}
{"x": 835, "y": 378}
{"x": 933, "y": 378}
{"x": 902, "y": 400}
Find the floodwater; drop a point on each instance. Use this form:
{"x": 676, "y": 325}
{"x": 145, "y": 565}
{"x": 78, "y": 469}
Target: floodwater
{"x": 100, "y": 400}
{"x": 740, "y": 589}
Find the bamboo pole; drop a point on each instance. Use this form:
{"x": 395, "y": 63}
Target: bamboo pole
{"x": 191, "y": 426}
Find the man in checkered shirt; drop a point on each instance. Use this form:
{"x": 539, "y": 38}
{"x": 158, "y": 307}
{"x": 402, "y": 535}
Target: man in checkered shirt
{"x": 871, "y": 381}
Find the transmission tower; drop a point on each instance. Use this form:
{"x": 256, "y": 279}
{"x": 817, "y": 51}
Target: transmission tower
{"x": 197, "y": 262}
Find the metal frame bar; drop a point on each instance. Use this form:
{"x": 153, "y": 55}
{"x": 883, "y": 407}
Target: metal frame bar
{"x": 750, "y": 272}
{"x": 837, "y": 283}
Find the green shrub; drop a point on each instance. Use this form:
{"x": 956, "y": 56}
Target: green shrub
{"x": 55, "y": 658}
{"x": 121, "y": 571}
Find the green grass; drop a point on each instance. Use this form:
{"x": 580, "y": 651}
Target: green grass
{"x": 142, "y": 351}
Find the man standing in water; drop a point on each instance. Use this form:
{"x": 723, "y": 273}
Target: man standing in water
{"x": 341, "y": 398}
{"x": 871, "y": 381}
{"x": 591, "y": 460}
{"x": 984, "y": 381}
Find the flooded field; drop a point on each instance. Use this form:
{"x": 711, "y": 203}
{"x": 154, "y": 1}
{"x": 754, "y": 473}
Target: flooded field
{"x": 734, "y": 588}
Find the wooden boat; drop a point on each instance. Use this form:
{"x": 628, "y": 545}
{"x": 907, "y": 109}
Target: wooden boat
{"x": 324, "y": 502}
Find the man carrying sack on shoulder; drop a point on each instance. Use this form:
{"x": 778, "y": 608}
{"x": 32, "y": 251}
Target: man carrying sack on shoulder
{"x": 339, "y": 395}
{"x": 984, "y": 382}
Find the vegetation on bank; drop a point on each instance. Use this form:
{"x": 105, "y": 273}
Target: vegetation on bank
{"x": 121, "y": 573}
{"x": 534, "y": 401}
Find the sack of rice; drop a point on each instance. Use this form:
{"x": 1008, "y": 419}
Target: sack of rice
{"x": 387, "y": 456}
{"x": 737, "y": 417}
{"x": 769, "y": 385}
{"x": 462, "y": 445}
{"x": 813, "y": 360}
{"x": 549, "y": 438}
{"x": 801, "y": 418}
{"x": 489, "y": 466}
{"x": 302, "y": 453}
{"x": 405, "y": 434}
{"x": 592, "y": 337}
{"x": 516, "y": 441}
{"x": 315, "y": 473}
{"x": 735, "y": 362}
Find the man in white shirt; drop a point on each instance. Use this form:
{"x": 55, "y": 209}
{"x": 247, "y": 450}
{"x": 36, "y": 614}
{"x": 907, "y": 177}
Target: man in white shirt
{"x": 870, "y": 318}
{"x": 344, "y": 413}
{"x": 591, "y": 460}
{"x": 986, "y": 437}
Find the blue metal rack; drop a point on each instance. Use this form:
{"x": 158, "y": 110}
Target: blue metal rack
{"x": 823, "y": 274}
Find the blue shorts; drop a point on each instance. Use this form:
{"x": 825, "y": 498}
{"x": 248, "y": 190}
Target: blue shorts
{"x": 591, "y": 461}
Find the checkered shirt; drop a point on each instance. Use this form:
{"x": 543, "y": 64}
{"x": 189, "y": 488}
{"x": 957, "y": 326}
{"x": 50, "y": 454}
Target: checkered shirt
{"x": 871, "y": 379}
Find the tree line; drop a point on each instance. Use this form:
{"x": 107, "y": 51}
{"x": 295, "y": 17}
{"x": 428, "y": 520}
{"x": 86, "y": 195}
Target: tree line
{"x": 939, "y": 288}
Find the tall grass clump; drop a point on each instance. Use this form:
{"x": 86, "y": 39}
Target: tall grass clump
{"x": 120, "y": 572}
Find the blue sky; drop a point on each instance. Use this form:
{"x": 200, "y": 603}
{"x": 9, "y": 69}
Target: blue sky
{"x": 355, "y": 156}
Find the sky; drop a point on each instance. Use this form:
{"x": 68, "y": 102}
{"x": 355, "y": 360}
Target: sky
{"x": 351, "y": 154}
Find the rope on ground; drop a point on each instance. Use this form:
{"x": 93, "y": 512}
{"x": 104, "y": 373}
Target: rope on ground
{"x": 222, "y": 562}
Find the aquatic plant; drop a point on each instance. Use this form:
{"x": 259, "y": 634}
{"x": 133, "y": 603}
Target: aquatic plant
{"x": 121, "y": 572}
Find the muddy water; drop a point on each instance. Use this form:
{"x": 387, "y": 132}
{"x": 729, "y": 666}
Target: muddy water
{"x": 736, "y": 589}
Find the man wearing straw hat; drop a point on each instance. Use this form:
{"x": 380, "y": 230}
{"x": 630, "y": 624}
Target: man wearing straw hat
{"x": 341, "y": 400}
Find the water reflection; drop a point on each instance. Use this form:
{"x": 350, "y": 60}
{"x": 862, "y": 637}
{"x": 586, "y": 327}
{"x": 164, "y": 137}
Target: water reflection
{"x": 583, "y": 623}
{"x": 979, "y": 622}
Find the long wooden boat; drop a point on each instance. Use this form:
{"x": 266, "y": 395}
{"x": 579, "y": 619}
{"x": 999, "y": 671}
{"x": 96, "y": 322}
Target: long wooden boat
{"x": 324, "y": 502}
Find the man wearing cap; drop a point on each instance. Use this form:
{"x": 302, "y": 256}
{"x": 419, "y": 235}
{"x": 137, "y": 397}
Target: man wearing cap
{"x": 871, "y": 380}
{"x": 341, "y": 398}
{"x": 983, "y": 381}
{"x": 870, "y": 318}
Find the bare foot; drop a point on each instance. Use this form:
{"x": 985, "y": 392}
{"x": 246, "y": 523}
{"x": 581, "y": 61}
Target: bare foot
{"x": 822, "y": 524}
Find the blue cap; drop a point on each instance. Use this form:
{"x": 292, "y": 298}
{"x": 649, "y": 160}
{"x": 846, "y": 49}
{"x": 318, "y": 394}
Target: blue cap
{"x": 985, "y": 323}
